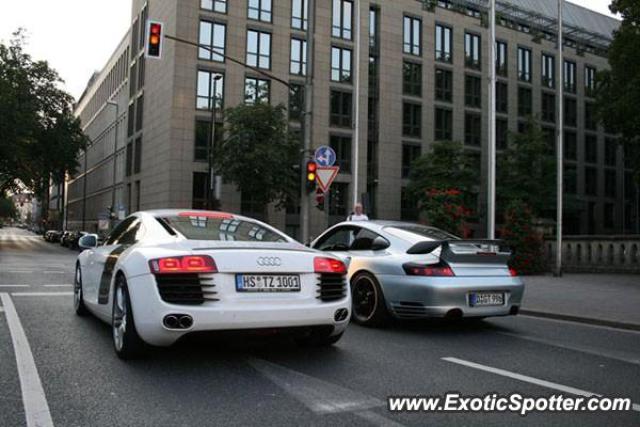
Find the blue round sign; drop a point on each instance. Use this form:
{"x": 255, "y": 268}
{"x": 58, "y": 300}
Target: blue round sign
{"x": 325, "y": 156}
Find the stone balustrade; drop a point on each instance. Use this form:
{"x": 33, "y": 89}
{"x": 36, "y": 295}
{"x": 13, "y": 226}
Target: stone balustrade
{"x": 607, "y": 254}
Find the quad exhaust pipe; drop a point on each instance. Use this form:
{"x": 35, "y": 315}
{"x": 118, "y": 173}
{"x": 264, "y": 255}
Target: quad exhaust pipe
{"x": 177, "y": 321}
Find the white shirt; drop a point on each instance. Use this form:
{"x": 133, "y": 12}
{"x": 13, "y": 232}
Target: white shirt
{"x": 356, "y": 217}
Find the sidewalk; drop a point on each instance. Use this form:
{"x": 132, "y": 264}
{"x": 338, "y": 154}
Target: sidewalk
{"x": 603, "y": 299}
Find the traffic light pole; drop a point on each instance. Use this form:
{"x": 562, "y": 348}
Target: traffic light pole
{"x": 308, "y": 121}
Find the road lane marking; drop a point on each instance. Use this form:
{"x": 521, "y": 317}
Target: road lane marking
{"x": 36, "y": 408}
{"x": 40, "y": 294}
{"x": 54, "y": 272}
{"x": 320, "y": 396}
{"x": 592, "y": 352}
{"x": 14, "y": 286}
{"x": 58, "y": 286}
{"x": 530, "y": 380}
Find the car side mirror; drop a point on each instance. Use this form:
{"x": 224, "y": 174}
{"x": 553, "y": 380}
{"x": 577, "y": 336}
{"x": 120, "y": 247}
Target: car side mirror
{"x": 88, "y": 241}
{"x": 379, "y": 243}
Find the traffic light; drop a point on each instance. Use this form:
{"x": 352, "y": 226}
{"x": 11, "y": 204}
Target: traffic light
{"x": 153, "y": 48}
{"x": 311, "y": 169}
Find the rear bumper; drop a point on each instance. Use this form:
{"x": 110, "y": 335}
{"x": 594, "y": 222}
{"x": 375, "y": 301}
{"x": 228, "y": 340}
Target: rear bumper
{"x": 149, "y": 311}
{"x": 417, "y": 297}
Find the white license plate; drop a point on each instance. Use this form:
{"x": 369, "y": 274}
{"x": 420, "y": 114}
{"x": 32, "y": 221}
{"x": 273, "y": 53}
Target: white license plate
{"x": 478, "y": 299}
{"x": 268, "y": 282}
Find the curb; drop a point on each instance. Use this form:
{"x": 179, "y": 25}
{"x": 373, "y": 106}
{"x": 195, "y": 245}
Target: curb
{"x": 579, "y": 319}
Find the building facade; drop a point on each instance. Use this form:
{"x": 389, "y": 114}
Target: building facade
{"x": 423, "y": 77}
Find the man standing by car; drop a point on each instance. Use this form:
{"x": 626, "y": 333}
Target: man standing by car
{"x": 358, "y": 214}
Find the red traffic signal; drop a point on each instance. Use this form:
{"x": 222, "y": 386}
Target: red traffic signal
{"x": 155, "y": 34}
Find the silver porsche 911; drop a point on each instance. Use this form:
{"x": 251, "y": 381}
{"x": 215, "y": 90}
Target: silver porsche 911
{"x": 414, "y": 271}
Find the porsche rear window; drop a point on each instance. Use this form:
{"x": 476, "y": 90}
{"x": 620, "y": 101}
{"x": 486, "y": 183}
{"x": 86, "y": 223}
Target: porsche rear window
{"x": 418, "y": 233}
{"x": 222, "y": 229}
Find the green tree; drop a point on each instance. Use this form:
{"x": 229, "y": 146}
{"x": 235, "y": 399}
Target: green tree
{"x": 259, "y": 154}
{"x": 39, "y": 135}
{"x": 7, "y": 208}
{"x": 443, "y": 182}
{"x": 526, "y": 172}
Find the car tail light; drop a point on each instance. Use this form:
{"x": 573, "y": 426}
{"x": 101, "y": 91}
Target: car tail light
{"x": 436, "y": 270}
{"x": 183, "y": 264}
{"x": 329, "y": 265}
{"x": 513, "y": 272}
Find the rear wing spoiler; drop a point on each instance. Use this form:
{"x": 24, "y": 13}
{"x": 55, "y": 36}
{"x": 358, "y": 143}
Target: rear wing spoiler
{"x": 465, "y": 251}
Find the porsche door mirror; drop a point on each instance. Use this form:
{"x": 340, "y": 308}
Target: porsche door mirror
{"x": 379, "y": 244}
{"x": 88, "y": 241}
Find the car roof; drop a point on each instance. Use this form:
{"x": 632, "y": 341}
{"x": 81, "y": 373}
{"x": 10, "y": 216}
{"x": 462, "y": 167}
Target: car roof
{"x": 161, "y": 213}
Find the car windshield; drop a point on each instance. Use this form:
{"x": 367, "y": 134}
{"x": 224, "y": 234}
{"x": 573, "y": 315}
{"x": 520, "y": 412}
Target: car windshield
{"x": 222, "y": 229}
{"x": 417, "y": 233}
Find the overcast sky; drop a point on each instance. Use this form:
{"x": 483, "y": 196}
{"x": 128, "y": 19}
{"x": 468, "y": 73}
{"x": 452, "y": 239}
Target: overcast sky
{"x": 78, "y": 36}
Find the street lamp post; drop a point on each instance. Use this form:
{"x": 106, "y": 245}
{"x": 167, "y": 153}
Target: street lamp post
{"x": 213, "y": 193}
{"x": 115, "y": 163}
{"x": 559, "y": 146}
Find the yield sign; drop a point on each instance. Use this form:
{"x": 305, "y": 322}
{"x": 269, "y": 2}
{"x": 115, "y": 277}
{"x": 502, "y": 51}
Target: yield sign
{"x": 325, "y": 176}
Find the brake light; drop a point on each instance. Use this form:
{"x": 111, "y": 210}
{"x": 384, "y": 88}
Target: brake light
{"x": 183, "y": 264}
{"x": 436, "y": 270}
{"x": 329, "y": 265}
{"x": 513, "y": 272}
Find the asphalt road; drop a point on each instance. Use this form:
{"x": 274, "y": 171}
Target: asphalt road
{"x": 63, "y": 369}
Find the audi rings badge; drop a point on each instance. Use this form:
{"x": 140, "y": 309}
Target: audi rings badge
{"x": 269, "y": 261}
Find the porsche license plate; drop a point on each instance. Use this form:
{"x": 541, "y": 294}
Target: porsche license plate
{"x": 478, "y": 299}
{"x": 268, "y": 283}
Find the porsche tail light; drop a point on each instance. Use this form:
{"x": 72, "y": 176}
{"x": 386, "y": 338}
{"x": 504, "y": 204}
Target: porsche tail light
{"x": 329, "y": 265}
{"x": 513, "y": 272}
{"x": 436, "y": 270}
{"x": 183, "y": 264}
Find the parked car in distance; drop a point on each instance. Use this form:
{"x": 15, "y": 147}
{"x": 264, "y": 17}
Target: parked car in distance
{"x": 64, "y": 238}
{"x": 74, "y": 238}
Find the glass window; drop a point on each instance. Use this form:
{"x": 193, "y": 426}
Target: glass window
{"x": 256, "y": 90}
{"x": 259, "y": 10}
{"x": 570, "y": 179}
{"x": 570, "y": 112}
{"x": 199, "y": 190}
{"x": 444, "y": 85}
{"x": 408, "y": 206}
{"x": 590, "y": 121}
{"x": 412, "y": 78}
{"x": 473, "y": 91}
{"x": 203, "y": 139}
{"x": 137, "y": 163}
{"x": 129, "y": 159}
{"x": 548, "y": 107}
{"x": 548, "y": 71}
{"x": 502, "y": 97}
{"x": 214, "y": 5}
{"x": 524, "y": 64}
{"x": 299, "y": 14}
{"x": 259, "y": 49}
{"x": 298, "y": 63}
{"x": 411, "y": 120}
{"x": 214, "y": 35}
{"x": 139, "y": 112}
{"x": 444, "y": 124}
{"x": 501, "y": 59}
{"x": 589, "y": 81}
{"x": 591, "y": 148}
{"x": 610, "y": 151}
{"x": 124, "y": 232}
{"x": 131, "y": 118}
{"x": 342, "y": 146}
{"x": 502, "y": 134}
{"x": 223, "y": 228}
{"x": 525, "y": 101}
{"x": 610, "y": 183}
{"x": 296, "y": 102}
{"x": 443, "y": 44}
{"x": 340, "y": 64}
{"x": 472, "y": 50}
{"x": 374, "y": 13}
{"x": 472, "y": 129}
{"x": 570, "y": 146}
{"x": 415, "y": 233}
{"x": 339, "y": 239}
{"x": 609, "y": 209}
{"x": 591, "y": 181}
{"x": 410, "y": 153}
{"x": 208, "y": 83}
{"x": 341, "y": 108}
{"x": 412, "y": 36}
{"x": 570, "y": 76}
{"x": 342, "y": 20}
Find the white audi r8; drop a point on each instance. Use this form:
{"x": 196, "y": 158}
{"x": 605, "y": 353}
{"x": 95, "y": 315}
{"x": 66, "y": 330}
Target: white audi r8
{"x": 163, "y": 274}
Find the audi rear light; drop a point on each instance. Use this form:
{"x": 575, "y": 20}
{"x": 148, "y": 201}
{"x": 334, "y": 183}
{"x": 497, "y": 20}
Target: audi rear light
{"x": 436, "y": 270}
{"x": 183, "y": 264}
{"x": 329, "y": 265}
{"x": 513, "y": 272}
